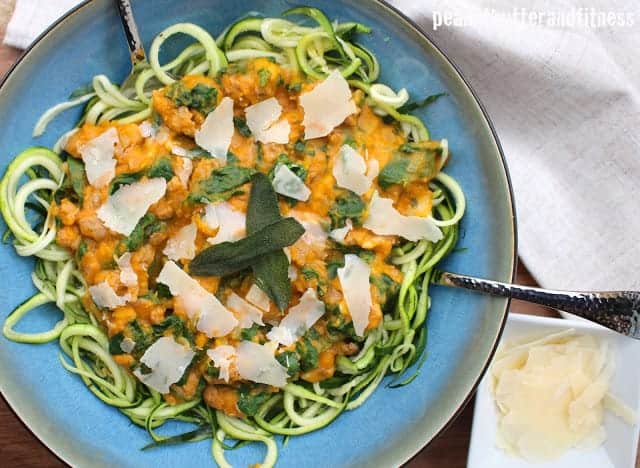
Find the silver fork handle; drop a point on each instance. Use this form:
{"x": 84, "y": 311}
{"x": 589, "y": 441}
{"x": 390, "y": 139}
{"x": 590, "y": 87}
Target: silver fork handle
{"x": 617, "y": 310}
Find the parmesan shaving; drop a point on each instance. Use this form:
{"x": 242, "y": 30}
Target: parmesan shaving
{"x": 129, "y": 203}
{"x": 258, "y": 297}
{"x": 326, "y": 106}
{"x": 354, "y": 281}
{"x": 97, "y": 155}
{"x": 257, "y": 363}
{"x": 350, "y": 170}
{"x": 231, "y": 223}
{"x": 287, "y": 183}
{"x": 167, "y": 360}
{"x": 182, "y": 245}
{"x": 550, "y": 394}
{"x": 212, "y": 317}
{"x": 104, "y": 296}
{"x": 246, "y": 314}
{"x": 385, "y": 220}
{"x": 217, "y": 130}
{"x": 298, "y": 320}
{"x": 128, "y": 277}
{"x": 222, "y": 357}
{"x": 263, "y": 121}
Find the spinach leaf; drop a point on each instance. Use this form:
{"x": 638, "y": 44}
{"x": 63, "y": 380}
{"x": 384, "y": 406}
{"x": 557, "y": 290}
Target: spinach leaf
{"x": 248, "y": 334}
{"x": 161, "y": 168}
{"x": 221, "y": 184}
{"x": 309, "y": 273}
{"x": 124, "y": 179}
{"x": 308, "y": 354}
{"x": 231, "y": 257}
{"x": 386, "y": 286}
{"x": 411, "y": 106}
{"x": 263, "y": 77}
{"x": 412, "y": 163}
{"x": 241, "y": 125}
{"x": 347, "y": 205}
{"x": 296, "y": 168}
{"x": 299, "y": 146}
{"x": 201, "y": 97}
{"x": 249, "y": 403}
{"x": 289, "y": 359}
{"x": 114, "y": 344}
{"x": 77, "y": 176}
{"x": 82, "y": 249}
{"x": 177, "y": 326}
{"x": 147, "y": 225}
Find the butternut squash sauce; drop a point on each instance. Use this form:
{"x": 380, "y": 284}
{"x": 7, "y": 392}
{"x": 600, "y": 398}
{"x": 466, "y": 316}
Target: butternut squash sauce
{"x": 79, "y": 224}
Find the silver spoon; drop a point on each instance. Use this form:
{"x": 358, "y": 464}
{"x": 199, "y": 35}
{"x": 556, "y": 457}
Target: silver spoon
{"x": 616, "y": 310}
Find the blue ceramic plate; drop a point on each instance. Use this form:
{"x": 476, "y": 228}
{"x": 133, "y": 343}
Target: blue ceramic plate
{"x": 463, "y": 329}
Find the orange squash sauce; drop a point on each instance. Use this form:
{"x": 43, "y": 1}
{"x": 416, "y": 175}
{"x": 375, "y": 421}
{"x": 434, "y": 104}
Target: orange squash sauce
{"x": 80, "y": 225}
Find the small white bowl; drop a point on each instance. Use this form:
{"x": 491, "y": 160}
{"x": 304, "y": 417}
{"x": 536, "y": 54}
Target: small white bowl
{"x": 619, "y": 449}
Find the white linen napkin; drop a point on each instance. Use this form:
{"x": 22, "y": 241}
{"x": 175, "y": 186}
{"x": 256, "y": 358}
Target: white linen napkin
{"x": 31, "y": 17}
{"x": 566, "y": 106}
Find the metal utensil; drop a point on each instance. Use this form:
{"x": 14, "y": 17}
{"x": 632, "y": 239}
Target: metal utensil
{"x": 131, "y": 32}
{"x": 616, "y": 310}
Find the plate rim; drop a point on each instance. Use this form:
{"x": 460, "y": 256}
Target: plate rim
{"x": 412, "y": 25}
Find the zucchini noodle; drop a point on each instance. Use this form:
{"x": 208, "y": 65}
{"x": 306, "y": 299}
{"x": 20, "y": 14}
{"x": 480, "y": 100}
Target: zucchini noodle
{"x": 29, "y": 184}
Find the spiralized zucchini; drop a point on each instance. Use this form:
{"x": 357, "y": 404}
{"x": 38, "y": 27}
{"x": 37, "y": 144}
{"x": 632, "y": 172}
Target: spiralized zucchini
{"x": 34, "y": 175}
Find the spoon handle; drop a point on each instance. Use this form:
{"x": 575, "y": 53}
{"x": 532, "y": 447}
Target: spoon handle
{"x": 131, "y": 31}
{"x": 617, "y": 310}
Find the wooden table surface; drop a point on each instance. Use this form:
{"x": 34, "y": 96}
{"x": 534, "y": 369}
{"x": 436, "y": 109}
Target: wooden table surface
{"x": 19, "y": 448}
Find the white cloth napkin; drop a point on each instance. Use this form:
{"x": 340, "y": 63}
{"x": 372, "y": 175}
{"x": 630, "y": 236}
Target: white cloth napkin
{"x": 31, "y": 17}
{"x": 565, "y": 102}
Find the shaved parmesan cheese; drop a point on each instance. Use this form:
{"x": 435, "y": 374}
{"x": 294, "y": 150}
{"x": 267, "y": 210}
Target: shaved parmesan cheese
{"x": 339, "y": 234}
{"x": 211, "y": 216}
{"x": 97, "y": 155}
{"x": 212, "y": 317}
{"x": 217, "y": 130}
{"x": 326, "y": 106}
{"x": 298, "y": 320}
{"x": 222, "y": 356}
{"x": 385, "y": 220}
{"x": 292, "y": 273}
{"x": 314, "y": 233}
{"x": 182, "y": 245}
{"x": 246, "y": 313}
{"x": 127, "y": 345}
{"x": 354, "y": 280}
{"x": 257, "y": 363}
{"x": 350, "y": 170}
{"x": 129, "y": 203}
{"x": 184, "y": 170}
{"x": 128, "y": 277}
{"x": 146, "y": 129}
{"x": 104, "y": 296}
{"x": 550, "y": 393}
{"x": 258, "y": 298}
{"x": 167, "y": 360}
{"x": 232, "y": 224}
{"x": 179, "y": 151}
{"x": 262, "y": 119}
{"x": 286, "y": 183}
